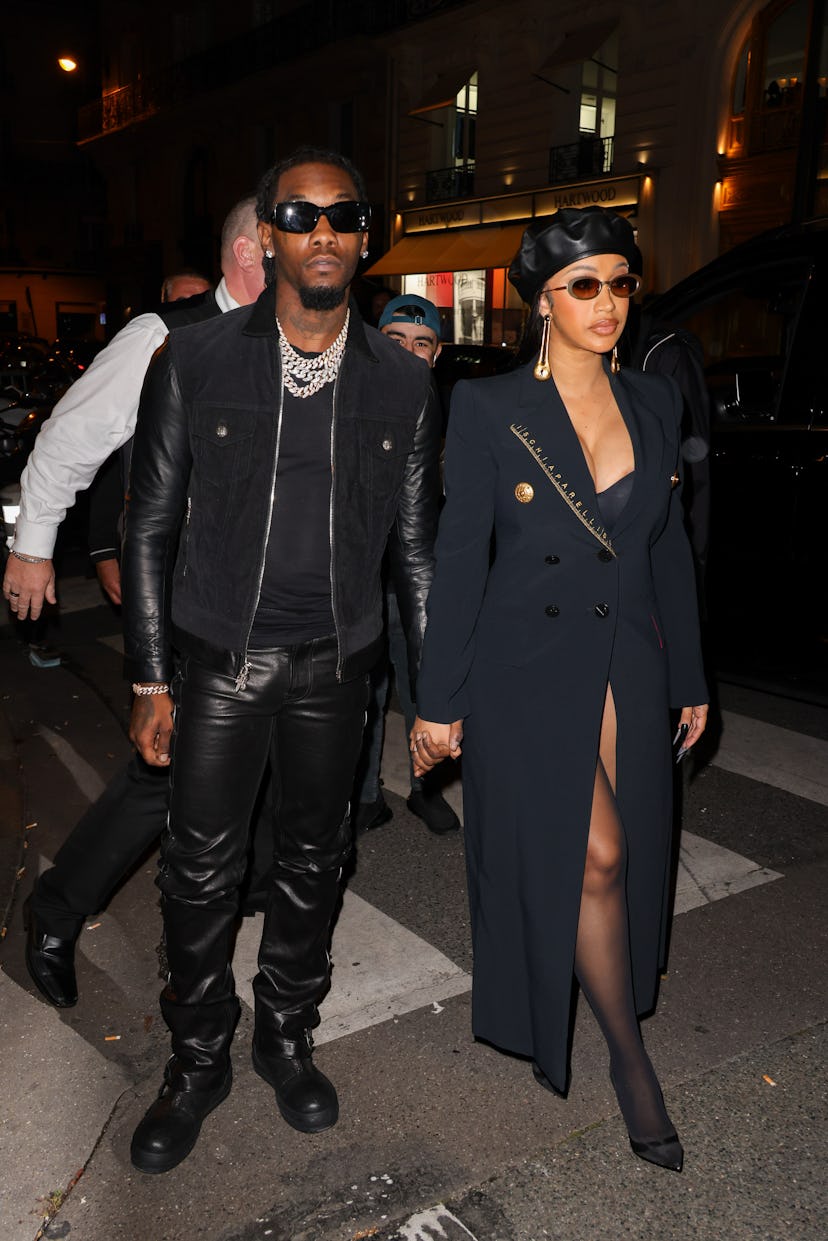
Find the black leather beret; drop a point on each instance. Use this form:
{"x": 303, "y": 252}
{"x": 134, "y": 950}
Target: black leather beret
{"x": 554, "y": 241}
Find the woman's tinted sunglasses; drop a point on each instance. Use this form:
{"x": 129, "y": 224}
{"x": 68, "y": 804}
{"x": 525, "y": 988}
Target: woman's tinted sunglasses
{"x": 585, "y": 288}
{"x": 300, "y": 217}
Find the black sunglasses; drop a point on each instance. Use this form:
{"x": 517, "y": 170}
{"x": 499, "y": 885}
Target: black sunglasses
{"x": 300, "y": 217}
{"x": 585, "y": 288}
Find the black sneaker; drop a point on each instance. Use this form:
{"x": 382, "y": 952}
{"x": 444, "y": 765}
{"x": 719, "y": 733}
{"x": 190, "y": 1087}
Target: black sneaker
{"x": 434, "y": 811}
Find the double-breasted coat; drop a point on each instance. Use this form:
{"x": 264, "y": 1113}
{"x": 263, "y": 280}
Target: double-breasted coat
{"x": 535, "y": 609}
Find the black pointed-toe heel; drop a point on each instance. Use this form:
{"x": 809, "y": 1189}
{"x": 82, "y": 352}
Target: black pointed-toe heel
{"x": 542, "y": 1080}
{"x": 666, "y": 1153}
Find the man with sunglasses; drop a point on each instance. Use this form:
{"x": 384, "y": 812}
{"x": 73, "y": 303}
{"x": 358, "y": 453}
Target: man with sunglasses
{"x": 279, "y": 450}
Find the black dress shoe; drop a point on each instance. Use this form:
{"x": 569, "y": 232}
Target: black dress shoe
{"x": 434, "y": 811}
{"x": 170, "y": 1128}
{"x": 305, "y": 1097}
{"x": 50, "y": 962}
{"x": 371, "y": 814}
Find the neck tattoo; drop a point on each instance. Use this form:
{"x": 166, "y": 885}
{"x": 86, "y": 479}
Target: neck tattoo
{"x": 305, "y": 376}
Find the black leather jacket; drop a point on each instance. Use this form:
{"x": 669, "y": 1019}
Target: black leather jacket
{"x": 202, "y": 493}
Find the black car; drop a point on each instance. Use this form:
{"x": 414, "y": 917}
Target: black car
{"x": 759, "y": 313}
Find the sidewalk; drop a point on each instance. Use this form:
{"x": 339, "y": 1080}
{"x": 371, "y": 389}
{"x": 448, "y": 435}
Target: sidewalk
{"x": 440, "y": 1138}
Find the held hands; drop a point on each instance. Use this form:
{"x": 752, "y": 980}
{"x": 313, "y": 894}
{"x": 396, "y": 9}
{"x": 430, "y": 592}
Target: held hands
{"x": 27, "y": 585}
{"x": 151, "y": 726}
{"x": 694, "y": 721}
{"x": 431, "y": 743}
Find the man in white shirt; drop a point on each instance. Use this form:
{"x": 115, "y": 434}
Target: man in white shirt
{"x": 97, "y": 416}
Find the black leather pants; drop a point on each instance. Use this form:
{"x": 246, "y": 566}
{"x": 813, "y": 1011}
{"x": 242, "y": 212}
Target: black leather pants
{"x": 295, "y": 712}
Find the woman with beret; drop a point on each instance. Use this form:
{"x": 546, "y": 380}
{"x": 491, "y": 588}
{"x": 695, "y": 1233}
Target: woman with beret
{"x": 562, "y": 626}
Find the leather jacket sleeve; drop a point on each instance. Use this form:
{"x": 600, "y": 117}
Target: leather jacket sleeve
{"x": 411, "y": 542}
{"x": 161, "y": 464}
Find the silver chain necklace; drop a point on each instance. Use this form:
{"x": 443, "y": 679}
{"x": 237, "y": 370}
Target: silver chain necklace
{"x": 314, "y": 372}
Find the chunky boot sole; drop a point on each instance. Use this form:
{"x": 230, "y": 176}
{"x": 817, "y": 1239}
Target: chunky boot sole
{"x": 324, "y": 1118}
{"x": 152, "y": 1162}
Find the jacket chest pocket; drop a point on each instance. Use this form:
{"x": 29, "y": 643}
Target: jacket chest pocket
{"x": 222, "y": 446}
{"x": 384, "y": 449}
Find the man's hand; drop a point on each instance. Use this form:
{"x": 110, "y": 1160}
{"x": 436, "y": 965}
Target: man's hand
{"x": 431, "y": 743}
{"x": 151, "y": 726}
{"x": 27, "y": 585}
{"x": 109, "y": 576}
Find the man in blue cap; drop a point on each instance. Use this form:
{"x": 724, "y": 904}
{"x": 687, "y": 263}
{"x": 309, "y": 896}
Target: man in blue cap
{"x": 414, "y": 323}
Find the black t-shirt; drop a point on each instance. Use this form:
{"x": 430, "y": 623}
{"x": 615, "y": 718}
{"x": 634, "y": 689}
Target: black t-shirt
{"x": 295, "y": 600}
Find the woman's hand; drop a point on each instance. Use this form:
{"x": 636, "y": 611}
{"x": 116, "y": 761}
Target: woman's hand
{"x": 696, "y": 720}
{"x": 430, "y": 743}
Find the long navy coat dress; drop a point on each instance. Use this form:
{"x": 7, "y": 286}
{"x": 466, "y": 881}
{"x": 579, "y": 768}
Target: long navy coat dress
{"x": 523, "y": 649}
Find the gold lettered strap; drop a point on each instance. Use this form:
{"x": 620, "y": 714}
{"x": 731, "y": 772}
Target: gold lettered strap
{"x": 566, "y": 493}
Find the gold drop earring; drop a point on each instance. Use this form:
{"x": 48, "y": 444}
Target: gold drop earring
{"x": 542, "y": 369}
{"x": 615, "y": 365}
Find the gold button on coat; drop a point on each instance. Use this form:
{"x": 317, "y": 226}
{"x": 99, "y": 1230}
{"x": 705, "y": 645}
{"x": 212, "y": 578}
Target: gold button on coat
{"x": 525, "y": 492}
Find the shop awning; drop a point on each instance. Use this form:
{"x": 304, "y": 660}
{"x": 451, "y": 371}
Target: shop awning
{"x": 468, "y": 249}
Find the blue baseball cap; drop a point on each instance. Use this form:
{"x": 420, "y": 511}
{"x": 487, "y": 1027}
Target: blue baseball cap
{"x": 410, "y": 308}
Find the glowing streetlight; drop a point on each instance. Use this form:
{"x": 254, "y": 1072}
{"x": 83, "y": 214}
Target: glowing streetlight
{"x": 67, "y": 64}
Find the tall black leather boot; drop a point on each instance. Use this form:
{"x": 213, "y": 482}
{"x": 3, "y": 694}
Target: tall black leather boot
{"x": 171, "y": 1126}
{"x": 294, "y": 974}
{"x": 305, "y": 1097}
{"x": 201, "y": 1010}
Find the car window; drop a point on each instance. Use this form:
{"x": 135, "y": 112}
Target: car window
{"x": 746, "y": 328}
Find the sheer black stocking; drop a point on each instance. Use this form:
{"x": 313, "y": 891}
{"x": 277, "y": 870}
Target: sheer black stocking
{"x": 602, "y": 954}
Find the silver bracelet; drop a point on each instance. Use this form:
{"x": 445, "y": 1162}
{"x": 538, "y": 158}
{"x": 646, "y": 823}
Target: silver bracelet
{"x": 29, "y": 559}
{"x": 140, "y": 691}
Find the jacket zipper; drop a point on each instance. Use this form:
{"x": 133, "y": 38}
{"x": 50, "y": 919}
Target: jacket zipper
{"x": 187, "y": 534}
{"x": 331, "y": 526}
{"x": 244, "y": 671}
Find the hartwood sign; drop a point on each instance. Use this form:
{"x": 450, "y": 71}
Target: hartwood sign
{"x": 622, "y": 192}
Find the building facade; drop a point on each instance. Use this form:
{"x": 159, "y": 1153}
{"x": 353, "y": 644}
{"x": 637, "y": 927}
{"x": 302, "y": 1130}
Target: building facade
{"x": 697, "y": 139}
{"x": 469, "y": 118}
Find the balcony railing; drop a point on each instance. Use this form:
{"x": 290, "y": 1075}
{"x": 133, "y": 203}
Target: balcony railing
{"x": 306, "y": 28}
{"x": 588, "y": 157}
{"x": 443, "y": 184}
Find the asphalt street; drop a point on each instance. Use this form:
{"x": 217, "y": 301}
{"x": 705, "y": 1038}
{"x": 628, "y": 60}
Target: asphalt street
{"x": 440, "y": 1138}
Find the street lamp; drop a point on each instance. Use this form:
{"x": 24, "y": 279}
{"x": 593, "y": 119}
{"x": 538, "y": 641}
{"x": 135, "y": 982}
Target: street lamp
{"x": 67, "y": 63}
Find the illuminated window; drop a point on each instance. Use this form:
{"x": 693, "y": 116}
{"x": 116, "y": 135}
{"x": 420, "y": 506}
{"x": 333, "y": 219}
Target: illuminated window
{"x": 599, "y": 90}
